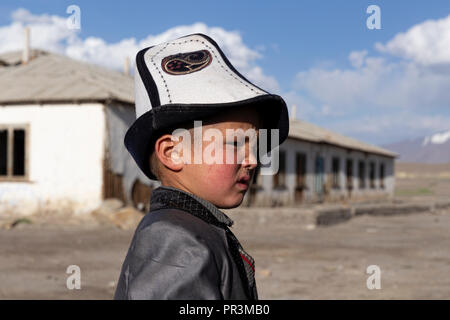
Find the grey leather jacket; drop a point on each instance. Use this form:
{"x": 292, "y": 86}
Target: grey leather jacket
{"x": 183, "y": 249}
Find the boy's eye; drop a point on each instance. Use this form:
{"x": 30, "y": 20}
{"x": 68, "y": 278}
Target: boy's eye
{"x": 235, "y": 143}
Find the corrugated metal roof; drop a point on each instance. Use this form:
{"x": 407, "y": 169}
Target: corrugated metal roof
{"x": 299, "y": 129}
{"x": 51, "y": 77}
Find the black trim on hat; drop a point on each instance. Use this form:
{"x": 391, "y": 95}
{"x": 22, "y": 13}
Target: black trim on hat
{"x": 147, "y": 79}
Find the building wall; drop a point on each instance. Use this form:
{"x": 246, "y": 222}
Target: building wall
{"x": 65, "y": 158}
{"x": 267, "y": 195}
{"x": 119, "y": 119}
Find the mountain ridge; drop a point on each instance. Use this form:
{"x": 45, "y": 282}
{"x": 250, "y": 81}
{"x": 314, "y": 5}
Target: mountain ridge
{"x": 434, "y": 148}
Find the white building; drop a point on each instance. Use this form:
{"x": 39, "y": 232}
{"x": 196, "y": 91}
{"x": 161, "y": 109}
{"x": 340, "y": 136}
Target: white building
{"x": 62, "y": 124}
{"x": 319, "y": 165}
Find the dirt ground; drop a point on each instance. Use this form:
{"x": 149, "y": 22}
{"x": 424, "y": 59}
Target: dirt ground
{"x": 422, "y": 181}
{"x": 294, "y": 259}
{"x": 412, "y": 252}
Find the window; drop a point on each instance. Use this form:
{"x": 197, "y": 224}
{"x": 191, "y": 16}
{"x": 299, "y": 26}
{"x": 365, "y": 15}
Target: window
{"x": 362, "y": 174}
{"x": 349, "y": 173}
{"x": 256, "y": 182}
{"x": 279, "y": 179}
{"x": 335, "y": 164}
{"x": 3, "y": 152}
{"x": 372, "y": 175}
{"x": 300, "y": 163}
{"x": 13, "y": 142}
{"x": 319, "y": 173}
{"x": 381, "y": 175}
{"x": 300, "y": 172}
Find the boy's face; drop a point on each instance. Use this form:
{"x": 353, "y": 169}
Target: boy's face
{"x": 224, "y": 184}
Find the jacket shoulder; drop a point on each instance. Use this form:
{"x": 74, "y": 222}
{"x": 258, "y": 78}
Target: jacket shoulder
{"x": 171, "y": 257}
{"x": 175, "y": 237}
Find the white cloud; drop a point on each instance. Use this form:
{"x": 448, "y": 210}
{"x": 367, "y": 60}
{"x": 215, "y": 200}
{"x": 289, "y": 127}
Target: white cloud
{"x": 357, "y": 58}
{"x": 304, "y": 108}
{"x": 377, "y": 83}
{"x": 388, "y": 128}
{"x": 49, "y": 32}
{"x": 426, "y": 43}
{"x": 380, "y": 98}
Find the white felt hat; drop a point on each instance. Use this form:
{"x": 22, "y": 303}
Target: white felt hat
{"x": 186, "y": 79}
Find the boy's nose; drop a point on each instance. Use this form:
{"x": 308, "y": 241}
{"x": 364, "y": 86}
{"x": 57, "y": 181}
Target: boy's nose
{"x": 250, "y": 160}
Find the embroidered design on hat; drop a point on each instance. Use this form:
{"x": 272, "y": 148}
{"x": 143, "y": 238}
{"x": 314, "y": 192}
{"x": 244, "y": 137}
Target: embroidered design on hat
{"x": 188, "y": 62}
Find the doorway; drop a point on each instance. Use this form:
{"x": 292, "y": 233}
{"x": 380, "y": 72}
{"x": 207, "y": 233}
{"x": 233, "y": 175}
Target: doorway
{"x": 318, "y": 177}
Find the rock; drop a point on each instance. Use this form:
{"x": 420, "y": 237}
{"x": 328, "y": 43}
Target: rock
{"x": 16, "y": 223}
{"x": 109, "y": 206}
{"x": 107, "y": 209}
{"x": 20, "y": 222}
{"x": 5, "y": 225}
{"x": 310, "y": 226}
{"x": 264, "y": 273}
{"x": 127, "y": 218}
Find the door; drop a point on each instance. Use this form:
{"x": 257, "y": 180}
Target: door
{"x": 301, "y": 176}
{"x": 319, "y": 173}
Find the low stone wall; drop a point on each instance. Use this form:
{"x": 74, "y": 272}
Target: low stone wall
{"x": 258, "y": 217}
{"x": 325, "y": 215}
{"x": 330, "y": 216}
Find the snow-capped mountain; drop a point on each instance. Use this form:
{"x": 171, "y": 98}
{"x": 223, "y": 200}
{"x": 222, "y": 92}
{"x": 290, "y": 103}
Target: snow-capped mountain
{"x": 429, "y": 149}
{"x": 438, "y": 138}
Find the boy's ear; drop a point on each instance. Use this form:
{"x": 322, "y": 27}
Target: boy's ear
{"x": 167, "y": 153}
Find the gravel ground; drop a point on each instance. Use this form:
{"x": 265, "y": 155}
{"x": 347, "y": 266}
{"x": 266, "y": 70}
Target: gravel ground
{"x": 294, "y": 260}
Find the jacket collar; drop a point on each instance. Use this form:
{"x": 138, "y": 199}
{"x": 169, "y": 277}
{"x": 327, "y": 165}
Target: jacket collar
{"x": 165, "y": 196}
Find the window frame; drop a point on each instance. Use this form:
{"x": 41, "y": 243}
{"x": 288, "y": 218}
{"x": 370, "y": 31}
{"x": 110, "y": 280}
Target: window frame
{"x": 349, "y": 173}
{"x": 382, "y": 174}
{"x": 362, "y": 183}
{"x": 372, "y": 175}
{"x": 276, "y": 183}
{"x": 336, "y": 183}
{"x": 300, "y": 171}
{"x": 256, "y": 182}
{"x": 10, "y": 127}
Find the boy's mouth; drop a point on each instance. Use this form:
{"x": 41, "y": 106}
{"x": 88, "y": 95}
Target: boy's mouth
{"x": 245, "y": 180}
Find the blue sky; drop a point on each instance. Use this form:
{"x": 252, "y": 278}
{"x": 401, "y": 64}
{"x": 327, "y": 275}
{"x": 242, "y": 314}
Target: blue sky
{"x": 319, "y": 55}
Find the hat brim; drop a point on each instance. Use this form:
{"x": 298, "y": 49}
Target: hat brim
{"x": 140, "y": 137}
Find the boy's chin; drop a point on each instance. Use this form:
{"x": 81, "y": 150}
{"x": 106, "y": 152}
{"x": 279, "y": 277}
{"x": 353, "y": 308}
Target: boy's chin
{"x": 232, "y": 203}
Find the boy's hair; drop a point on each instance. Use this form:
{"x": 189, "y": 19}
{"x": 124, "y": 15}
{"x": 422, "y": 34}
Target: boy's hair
{"x": 154, "y": 165}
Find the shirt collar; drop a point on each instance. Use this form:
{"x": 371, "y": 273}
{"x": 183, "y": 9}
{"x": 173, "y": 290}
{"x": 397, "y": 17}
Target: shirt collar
{"x": 166, "y": 196}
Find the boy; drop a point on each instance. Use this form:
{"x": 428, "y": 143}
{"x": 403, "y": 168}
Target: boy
{"x": 183, "y": 248}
